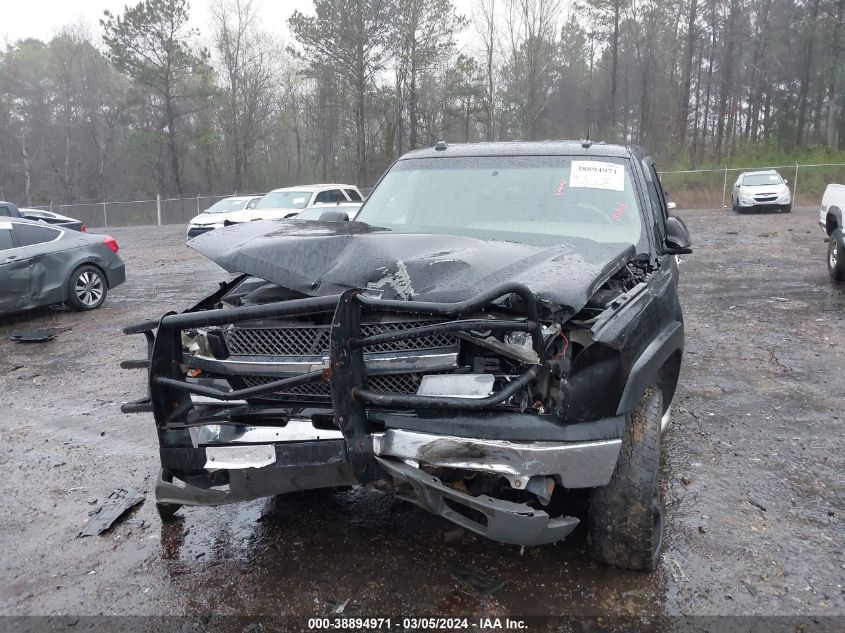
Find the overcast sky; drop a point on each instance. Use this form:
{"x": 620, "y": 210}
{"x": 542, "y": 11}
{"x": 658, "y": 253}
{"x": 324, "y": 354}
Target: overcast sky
{"x": 43, "y": 18}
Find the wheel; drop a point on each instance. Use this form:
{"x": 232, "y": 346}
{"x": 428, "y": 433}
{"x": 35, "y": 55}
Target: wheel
{"x": 167, "y": 512}
{"x": 734, "y": 206}
{"x": 626, "y": 515}
{"x": 836, "y": 255}
{"x": 787, "y": 208}
{"x": 87, "y": 288}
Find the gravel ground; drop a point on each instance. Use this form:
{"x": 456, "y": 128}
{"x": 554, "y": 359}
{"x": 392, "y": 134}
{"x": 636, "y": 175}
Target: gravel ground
{"x": 754, "y": 469}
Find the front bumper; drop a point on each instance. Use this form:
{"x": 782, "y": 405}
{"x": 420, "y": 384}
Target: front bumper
{"x": 303, "y": 461}
{"x": 767, "y": 203}
{"x": 372, "y": 437}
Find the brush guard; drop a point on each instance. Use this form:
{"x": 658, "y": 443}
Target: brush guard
{"x": 169, "y": 395}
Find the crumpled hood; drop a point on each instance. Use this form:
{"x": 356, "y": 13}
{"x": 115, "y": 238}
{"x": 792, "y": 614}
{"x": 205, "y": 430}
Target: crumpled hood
{"x": 322, "y": 258}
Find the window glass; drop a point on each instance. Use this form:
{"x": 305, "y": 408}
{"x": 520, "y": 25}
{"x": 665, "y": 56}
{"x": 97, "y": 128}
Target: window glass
{"x": 533, "y": 199}
{"x": 5, "y": 212}
{"x": 330, "y": 196}
{"x": 284, "y": 200}
{"x": 761, "y": 180}
{"x": 353, "y": 195}
{"x": 30, "y": 234}
{"x": 6, "y": 236}
{"x": 227, "y": 204}
{"x": 655, "y": 189}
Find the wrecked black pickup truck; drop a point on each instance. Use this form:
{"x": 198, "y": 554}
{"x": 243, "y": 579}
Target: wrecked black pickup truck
{"x": 499, "y": 323}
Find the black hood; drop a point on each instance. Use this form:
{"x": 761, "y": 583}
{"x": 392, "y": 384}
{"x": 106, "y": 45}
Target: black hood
{"x": 321, "y": 258}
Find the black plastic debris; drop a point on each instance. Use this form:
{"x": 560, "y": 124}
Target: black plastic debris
{"x": 37, "y": 335}
{"x": 118, "y": 502}
{"x": 485, "y": 585}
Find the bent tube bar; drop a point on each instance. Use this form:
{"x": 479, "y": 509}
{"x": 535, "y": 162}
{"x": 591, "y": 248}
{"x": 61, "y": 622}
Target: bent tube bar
{"x": 291, "y": 307}
{"x": 447, "y": 326}
{"x": 460, "y": 308}
{"x": 238, "y": 394}
{"x": 433, "y": 402}
{"x": 143, "y": 326}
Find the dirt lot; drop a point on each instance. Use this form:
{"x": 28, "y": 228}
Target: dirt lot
{"x": 755, "y": 469}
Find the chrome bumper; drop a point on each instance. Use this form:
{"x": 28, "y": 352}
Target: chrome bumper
{"x": 573, "y": 465}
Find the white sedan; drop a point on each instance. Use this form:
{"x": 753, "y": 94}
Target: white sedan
{"x": 226, "y": 211}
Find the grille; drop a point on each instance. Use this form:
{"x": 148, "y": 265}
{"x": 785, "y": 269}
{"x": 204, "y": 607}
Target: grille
{"x": 395, "y": 383}
{"x": 313, "y": 340}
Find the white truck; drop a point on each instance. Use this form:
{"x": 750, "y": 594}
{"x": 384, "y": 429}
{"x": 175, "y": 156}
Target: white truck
{"x": 830, "y": 220}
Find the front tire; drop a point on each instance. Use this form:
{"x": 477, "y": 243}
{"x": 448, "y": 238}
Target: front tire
{"x": 836, "y": 255}
{"x": 626, "y": 516}
{"x": 87, "y": 288}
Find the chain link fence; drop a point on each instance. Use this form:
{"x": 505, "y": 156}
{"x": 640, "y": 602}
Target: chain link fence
{"x": 691, "y": 189}
{"x": 137, "y": 212}
{"x": 711, "y": 188}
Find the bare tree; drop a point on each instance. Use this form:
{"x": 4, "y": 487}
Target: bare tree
{"x": 485, "y": 20}
{"x": 353, "y": 49}
{"x": 149, "y": 42}
{"x": 248, "y": 62}
{"x": 533, "y": 27}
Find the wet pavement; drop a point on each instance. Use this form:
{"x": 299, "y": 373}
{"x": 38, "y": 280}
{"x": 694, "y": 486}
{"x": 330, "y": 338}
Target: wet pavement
{"x": 755, "y": 473}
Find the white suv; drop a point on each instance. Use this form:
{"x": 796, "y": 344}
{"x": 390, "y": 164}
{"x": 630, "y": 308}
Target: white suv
{"x": 761, "y": 190}
{"x": 289, "y": 202}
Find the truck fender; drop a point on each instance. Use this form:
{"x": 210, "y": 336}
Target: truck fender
{"x": 646, "y": 369}
{"x": 833, "y": 219}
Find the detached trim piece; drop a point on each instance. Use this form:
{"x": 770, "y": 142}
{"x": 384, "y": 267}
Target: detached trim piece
{"x": 506, "y": 522}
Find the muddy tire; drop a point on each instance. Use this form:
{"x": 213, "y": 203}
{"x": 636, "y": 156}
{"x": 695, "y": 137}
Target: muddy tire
{"x": 167, "y": 512}
{"x": 626, "y": 516}
{"x": 836, "y": 255}
{"x": 87, "y": 288}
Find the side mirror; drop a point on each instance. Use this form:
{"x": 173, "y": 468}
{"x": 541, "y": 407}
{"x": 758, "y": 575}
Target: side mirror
{"x": 334, "y": 216}
{"x": 677, "y": 237}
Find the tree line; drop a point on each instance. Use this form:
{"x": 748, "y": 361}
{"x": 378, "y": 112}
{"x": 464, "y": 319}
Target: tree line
{"x": 151, "y": 105}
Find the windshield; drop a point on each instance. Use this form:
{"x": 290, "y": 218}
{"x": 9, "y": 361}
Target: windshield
{"x": 533, "y": 199}
{"x": 760, "y": 180}
{"x": 284, "y": 200}
{"x": 227, "y": 204}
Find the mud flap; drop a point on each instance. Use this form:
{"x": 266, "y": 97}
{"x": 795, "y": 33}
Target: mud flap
{"x": 506, "y": 522}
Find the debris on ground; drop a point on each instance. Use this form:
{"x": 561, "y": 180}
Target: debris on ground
{"x": 341, "y": 607}
{"x": 485, "y": 585}
{"x": 678, "y": 573}
{"x": 38, "y": 335}
{"x": 756, "y": 504}
{"x": 118, "y": 502}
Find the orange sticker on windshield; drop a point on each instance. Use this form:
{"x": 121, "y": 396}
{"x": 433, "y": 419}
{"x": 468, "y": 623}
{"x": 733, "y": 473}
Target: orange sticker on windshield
{"x": 561, "y": 186}
{"x": 620, "y": 209}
